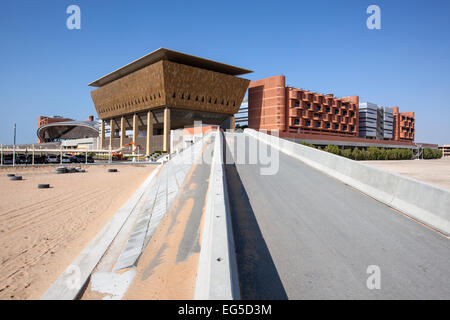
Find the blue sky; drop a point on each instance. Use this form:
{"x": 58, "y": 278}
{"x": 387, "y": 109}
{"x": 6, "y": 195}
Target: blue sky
{"x": 318, "y": 45}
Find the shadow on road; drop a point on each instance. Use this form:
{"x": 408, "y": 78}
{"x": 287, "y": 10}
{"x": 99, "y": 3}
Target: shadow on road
{"x": 258, "y": 276}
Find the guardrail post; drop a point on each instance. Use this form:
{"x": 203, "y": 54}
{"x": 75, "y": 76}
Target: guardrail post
{"x": 32, "y": 157}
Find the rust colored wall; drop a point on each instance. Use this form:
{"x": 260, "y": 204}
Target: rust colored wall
{"x": 404, "y": 125}
{"x": 267, "y": 104}
{"x": 167, "y": 83}
{"x": 272, "y": 105}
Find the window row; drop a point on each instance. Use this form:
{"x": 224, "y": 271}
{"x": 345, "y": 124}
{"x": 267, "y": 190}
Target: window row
{"x": 211, "y": 100}
{"x": 133, "y": 102}
{"x": 325, "y": 109}
{"x": 327, "y": 125}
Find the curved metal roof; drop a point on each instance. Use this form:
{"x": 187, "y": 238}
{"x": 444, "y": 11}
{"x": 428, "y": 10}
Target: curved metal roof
{"x": 69, "y": 130}
{"x": 170, "y": 55}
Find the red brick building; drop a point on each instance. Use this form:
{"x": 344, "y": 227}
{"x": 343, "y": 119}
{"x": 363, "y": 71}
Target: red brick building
{"x": 404, "y": 125}
{"x": 272, "y": 105}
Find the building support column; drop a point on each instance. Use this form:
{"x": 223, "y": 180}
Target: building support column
{"x": 166, "y": 141}
{"x": 135, "y": 132}
{"x": 102, "y": 135}
{"x": 232, "y": 123}
{"x": 122, "y": 132}
{"x": 149, "y": 132}
{"x": 112, "y": 129}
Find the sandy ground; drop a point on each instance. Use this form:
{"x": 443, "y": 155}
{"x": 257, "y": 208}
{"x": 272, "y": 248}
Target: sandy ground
{"x": 436, "y": 172}
{"x": 167, "y": 269}
{"x": 43, "y": 230}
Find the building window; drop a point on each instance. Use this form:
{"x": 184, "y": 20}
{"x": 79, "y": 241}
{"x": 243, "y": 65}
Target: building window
{"x": 318, "y": 108}
{"x": 327, "y": 125}
{"x": 308, "y": 106}
{"x": 296, "y": 121}
{"x": 336, "y": 111}
{"x": 308, "y": 123}
{"x": 336, "y": 127}
{"x": 344, "y": 113}
{"x": 352, "y": 128}
{"x": 317, "y": 124}
{"x": 297, "y": 104}
{"x": 352, "y": 114}
{"x": 344, "y": 127}
{"x": 328, "y": 109}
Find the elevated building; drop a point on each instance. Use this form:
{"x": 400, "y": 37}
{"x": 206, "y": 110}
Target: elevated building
{"x": 166, "y": 90}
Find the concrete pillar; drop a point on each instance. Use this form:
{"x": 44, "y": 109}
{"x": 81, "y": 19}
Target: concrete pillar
{"x": 112, "y": 129}
{"x": 149, "y": 132}
{"x": 122, "y": 132}
{"x": 166, "y": 141}
{"x": 102, "y": 135}
{"x": 135, "y": 132}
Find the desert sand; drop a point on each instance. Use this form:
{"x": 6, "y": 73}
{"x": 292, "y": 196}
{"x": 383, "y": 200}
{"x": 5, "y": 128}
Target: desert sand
{"x": 43, "y": 230}
{"x": 436, "y": 172}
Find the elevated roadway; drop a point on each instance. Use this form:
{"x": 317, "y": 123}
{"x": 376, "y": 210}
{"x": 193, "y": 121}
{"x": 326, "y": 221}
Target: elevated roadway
{"x": 301, "y": 234}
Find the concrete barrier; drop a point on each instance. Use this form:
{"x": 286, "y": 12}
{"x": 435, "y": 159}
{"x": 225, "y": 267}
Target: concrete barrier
{"x": 217, "y": 277}
{"x": 422, "y": 201}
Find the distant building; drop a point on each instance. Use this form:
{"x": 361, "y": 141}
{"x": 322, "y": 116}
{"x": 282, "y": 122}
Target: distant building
{"x": 56, "y": 129}
{"x": 43, "y": 121}
{"x": 375, "y": 122}
{"x": 273, "y": 105}
{"x": 388, "y": 122}
{"x": 322, "y": 119}
{"x": 404, "y": 125}
{"x": 241, "y": 118}
{"x": 368, "y": 120}
{"x": 445, "y": 150}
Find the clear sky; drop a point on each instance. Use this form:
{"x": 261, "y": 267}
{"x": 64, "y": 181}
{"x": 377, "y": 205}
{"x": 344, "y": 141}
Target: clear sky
{"x": 318, "y": 45}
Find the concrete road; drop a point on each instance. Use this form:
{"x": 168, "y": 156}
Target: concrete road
{"x": 301, "y": 234}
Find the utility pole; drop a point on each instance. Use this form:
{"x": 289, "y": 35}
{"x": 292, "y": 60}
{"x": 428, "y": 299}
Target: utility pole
{"x": 14, "y": 147}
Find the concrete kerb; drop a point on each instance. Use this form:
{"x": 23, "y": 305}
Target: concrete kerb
{"x": 71, "y": 283}
{"x": 422, "y": 201}
{"x": 217, "y": 277}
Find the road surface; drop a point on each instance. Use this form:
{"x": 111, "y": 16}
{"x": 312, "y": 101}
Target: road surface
{"x": 301, "y": 234}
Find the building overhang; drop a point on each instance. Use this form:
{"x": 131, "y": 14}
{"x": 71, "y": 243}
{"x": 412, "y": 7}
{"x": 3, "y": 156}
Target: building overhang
{"x": 173, "y": 56}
